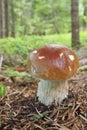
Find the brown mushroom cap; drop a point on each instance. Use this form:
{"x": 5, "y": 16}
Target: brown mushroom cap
{"x": 54, "y": 62}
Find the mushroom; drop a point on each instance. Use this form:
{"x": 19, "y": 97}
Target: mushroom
{"x": 53, "y": 65}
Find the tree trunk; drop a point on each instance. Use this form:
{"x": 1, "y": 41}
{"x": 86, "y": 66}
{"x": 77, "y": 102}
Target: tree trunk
{"x": 0, "y": 19}
{"x": 75, "y": 23}
{"x": 3, "y": 18}
{"x": 6, "y": 18}
{"x": 12, "y": 18}
{"x": 85, "y": 15}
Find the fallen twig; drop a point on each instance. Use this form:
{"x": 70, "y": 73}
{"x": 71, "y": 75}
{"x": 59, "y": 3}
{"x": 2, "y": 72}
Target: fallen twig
{"x": 83, "y": 117}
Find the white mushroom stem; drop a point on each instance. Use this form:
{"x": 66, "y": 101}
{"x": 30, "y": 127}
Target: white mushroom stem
{"x": 52, "y": 92}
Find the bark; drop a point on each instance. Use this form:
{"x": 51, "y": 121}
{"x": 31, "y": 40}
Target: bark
{"x": 85, "y": 15}
{"x": 3, "y": 18}
{"x": 0, "y": 20}
{"x": 12, "y": 19}
{"x": 6, "y": 18}
{"x": 75, "y": 23}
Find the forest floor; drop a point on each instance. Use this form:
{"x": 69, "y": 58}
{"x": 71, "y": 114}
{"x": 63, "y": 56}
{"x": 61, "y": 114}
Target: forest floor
{"x": 20, "y": 109}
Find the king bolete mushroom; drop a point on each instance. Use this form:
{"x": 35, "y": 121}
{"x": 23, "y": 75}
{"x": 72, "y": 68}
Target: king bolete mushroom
{"x": 53, "y": 65}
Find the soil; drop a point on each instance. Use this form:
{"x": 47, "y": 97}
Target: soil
{"x": 21, "y": 110}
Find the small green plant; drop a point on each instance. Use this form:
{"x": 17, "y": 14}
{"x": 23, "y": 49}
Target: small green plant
{"x": 12, "y": 73}
{"x": 83, "y": 68}
{"x": 3, "y": 90}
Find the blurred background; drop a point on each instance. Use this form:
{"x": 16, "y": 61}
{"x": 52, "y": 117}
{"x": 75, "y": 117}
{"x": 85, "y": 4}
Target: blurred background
{"x": 28, "y": 24}
{"x": 37, "y": 17}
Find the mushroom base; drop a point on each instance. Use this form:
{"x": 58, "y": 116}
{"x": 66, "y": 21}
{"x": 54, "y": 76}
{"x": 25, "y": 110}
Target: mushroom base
{"x": 52, "y": 92}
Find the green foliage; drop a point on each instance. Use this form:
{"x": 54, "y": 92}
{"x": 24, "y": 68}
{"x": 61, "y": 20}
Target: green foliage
{"x": 16, "y": 46}
{"x": 24, "y": 45}
{"x": 3, "y": 90}
{"x": 49, "y": 17}
{"x": 12, "y": 73}
{"x": 36, "y": 16}
{"x": 37, "y": 117}
{"x": 83, "y": 37}
{"x": 83, "y": 68}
